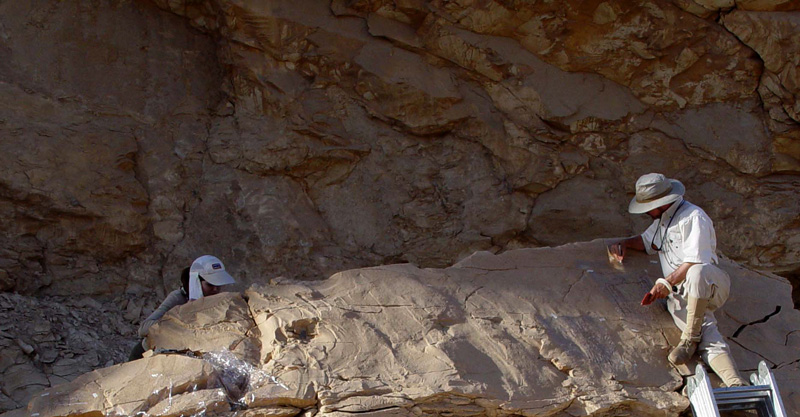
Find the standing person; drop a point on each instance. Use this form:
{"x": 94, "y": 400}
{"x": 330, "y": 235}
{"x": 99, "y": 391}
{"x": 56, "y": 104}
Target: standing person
{"x": 205, "y": 277}
{"x": 683, "y": 236}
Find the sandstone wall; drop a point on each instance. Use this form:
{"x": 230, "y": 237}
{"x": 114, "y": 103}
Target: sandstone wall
{"x": 548, "y": 332}
{"x": 302, "y": 137}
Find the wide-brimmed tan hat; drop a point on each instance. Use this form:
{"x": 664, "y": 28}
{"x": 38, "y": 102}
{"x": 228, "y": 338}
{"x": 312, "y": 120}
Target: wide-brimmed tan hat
{"x": 653, "y": 191}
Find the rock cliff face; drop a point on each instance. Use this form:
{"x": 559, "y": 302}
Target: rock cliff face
{"x": 532, "y": 332}
{"x": 299, "y": 137}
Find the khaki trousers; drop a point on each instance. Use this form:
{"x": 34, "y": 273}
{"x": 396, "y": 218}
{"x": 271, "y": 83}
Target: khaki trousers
{"x": 703, "y": 281}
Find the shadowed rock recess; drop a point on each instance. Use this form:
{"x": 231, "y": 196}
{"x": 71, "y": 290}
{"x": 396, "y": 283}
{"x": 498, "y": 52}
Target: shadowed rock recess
{"x": 531, "y": 332}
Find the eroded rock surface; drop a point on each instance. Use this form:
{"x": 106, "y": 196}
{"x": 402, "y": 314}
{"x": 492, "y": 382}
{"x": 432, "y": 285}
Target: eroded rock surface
{"x": 533, "y": 332}
{"x": 301, "y": 137}
{"x": 50, "y": 341}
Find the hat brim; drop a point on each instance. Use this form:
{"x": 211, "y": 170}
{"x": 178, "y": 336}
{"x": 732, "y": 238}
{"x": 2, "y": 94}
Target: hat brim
{"x": 218, "y": 278}
{"x": 677, "y": 192}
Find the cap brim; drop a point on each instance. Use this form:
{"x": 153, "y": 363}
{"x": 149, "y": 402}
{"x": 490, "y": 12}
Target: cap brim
{"x": 678, "y": 190}
{"x": 218, "y": 278}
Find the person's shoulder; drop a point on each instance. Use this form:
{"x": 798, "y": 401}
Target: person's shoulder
{"x": 177, "y": 296}
{"x": 692, "y": 211}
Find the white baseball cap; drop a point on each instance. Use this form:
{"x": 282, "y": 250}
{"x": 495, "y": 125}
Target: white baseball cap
{"x": 211, "y": 269}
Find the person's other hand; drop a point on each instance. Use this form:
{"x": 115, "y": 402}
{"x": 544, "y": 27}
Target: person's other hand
{"x": 659, "y": 291}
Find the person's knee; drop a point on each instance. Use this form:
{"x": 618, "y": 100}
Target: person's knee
{"x": 705, "y": 281}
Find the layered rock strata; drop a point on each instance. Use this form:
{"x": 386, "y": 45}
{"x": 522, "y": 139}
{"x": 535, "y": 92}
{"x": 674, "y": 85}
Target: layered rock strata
{"x": 300, "y": 138}
{"x": 534, "y": 332}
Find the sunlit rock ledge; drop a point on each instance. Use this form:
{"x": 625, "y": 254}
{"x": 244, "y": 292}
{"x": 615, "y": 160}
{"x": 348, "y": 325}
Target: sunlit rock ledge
{"x": 532, "y": 332}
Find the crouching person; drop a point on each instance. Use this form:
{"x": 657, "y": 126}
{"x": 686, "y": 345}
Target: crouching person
{"x": 683, "y": 236}
{"x": 205, "y": 277}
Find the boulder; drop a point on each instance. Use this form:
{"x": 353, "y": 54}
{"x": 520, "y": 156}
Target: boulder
{"x": 211, "y": 323}
{"x": 207, "y": 401}
{"x": 125, "y": 389}
{"x": 530, "y": 332}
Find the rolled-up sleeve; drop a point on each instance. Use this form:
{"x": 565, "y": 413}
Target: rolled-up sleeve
{"x": 698, "y": 234}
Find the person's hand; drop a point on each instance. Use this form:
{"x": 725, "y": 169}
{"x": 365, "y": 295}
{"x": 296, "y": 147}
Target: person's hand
{"x": 616, "y": 251}
{"x": 659, "y": 291}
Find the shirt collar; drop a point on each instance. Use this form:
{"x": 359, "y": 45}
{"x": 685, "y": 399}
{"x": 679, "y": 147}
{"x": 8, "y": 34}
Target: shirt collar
{"x": 671, "y": 210}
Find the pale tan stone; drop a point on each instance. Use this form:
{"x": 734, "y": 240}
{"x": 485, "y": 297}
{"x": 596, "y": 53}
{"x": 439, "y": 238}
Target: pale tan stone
{"x": 526, "y": 332}
{"x": 220, "y": 322}
{"x": 389, "y": 412}
{"x": 360, "y": 404}
{"x": 775, "y": 37}
{"x": 123, "y": 389}
{"x": 208, "y": 402}
{"x": 270, "y": 412}
{"x": 787, "y": 148}
{"x": 273, "y": 394}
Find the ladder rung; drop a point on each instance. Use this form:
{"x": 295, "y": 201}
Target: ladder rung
{"x": 729, "y": 407}
{"x": 743, "y": 401}
{"x": 759, "y": 406}
{"x": 749, "y": 388}
{"x": 744, "y": 396}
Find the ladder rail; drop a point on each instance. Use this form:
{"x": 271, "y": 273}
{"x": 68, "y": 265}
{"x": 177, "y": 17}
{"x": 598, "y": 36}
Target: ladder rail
{"x": 762, "y": 396}
{"x": 701, "y": 395}
{"x": 765, "y": 377}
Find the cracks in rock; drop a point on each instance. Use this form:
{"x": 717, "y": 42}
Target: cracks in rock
{"x": 763, "y": 320}
{"x": 471, "y": 294}
{"x": 388, "y": 305}
{"x": 254, "y": 330}
{"x": 664, "y": 335}
{"x": 378, "y": 309}
{"x": 555, "y": 126}
{"x": 720, "y": 20}
{"x": 477, "y": 268}
{"x": 138, "y": 172}
{"x": 783, "y": 365}
{"x": 371, "y": 410}
{"x": 569, "y": 290}
{"x": 786, "y": 340}
{"x": 693, "y": 150}
{"x": 773, "y": 364}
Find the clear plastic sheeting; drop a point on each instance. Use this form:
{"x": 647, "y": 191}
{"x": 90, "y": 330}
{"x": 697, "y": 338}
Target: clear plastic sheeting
{"x": 236, "y": 376}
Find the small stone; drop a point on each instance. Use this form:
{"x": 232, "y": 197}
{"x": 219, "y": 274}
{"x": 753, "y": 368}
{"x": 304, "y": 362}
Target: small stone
{"x": 133, "y": 310}
{"x": 48, "y": 355}
{"x": 28, "y": 349}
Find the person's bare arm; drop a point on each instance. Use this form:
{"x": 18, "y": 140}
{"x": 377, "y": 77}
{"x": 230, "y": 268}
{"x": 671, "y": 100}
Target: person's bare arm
{"x": 676, "y": 277}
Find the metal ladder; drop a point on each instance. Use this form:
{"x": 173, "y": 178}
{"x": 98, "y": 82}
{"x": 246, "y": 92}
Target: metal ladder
{"x": 762, "y": 396}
